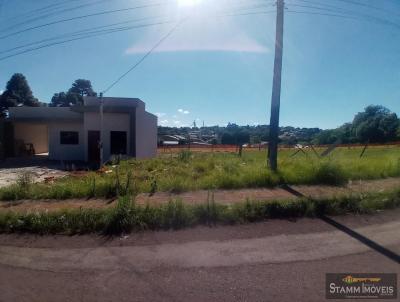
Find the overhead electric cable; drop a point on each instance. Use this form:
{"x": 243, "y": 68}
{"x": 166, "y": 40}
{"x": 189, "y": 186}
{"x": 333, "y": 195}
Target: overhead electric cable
{"x": 165, "y": 37}
{"x": 49, "y": 14}
{"x": 81, "y": 17}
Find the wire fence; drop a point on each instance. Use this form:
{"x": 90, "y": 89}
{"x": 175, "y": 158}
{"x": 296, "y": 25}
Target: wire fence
{"x": 263, "y": 147}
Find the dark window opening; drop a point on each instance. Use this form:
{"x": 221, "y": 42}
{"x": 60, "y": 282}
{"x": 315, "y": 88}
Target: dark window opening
{"x": 69, "y": 138}
{"x": 118, "y": 142}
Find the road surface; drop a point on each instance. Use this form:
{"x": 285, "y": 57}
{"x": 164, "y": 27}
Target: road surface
{"x": 276, "y": 260}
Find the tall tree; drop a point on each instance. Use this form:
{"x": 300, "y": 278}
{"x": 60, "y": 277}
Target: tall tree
{"x": 376, "y": 124}
{"x": 17, "y": 92}
{"x": 63, "y": 99}
{"x": 74, "y": 95}
{"x": 83, "y": 88}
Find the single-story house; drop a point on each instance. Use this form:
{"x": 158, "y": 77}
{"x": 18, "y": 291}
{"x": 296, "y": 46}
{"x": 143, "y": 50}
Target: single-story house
{"x": 73, "y": 133}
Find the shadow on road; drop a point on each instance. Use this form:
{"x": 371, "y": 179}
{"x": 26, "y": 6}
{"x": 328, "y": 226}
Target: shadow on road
{"x": 361, "y": 238}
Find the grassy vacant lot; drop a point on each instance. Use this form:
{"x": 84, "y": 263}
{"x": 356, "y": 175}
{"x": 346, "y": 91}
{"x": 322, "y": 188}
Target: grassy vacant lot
{"x": 127, "y": 216}
{"x": 190, "y": 171}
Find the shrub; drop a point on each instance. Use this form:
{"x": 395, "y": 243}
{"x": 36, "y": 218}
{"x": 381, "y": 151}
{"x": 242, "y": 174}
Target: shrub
{"x": 25, "y": 180}
{"x": 184, "y": 155}
{"x": 175, "y": 215}
{"x": 122, "y": 218}
{"x": 330, "y": 173}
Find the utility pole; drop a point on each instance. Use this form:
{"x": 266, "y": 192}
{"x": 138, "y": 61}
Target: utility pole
{"x": 101, "y": 129}
{"x": 276, "y": 90}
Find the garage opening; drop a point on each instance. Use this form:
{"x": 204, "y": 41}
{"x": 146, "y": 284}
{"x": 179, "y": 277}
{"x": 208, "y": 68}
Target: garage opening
{"x": 30, "y": 138}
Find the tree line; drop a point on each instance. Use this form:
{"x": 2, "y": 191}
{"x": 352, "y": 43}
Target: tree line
{"x": 376, "y": 124}
{"x": 18, "y": 93}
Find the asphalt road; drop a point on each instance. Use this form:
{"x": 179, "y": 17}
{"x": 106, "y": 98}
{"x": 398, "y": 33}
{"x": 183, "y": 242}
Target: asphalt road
{"x": 276, "y": 260}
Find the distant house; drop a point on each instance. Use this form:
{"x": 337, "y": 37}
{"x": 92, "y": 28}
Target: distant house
{"x": 73, "y": 133}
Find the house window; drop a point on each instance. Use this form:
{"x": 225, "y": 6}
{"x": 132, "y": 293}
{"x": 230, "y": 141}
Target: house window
{"x": 69, "y": 138}
{"x": 118, "y": 142}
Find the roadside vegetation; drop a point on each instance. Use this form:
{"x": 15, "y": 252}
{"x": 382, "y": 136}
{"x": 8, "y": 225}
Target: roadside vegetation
{"x": 192, "y": 171}
{"x": 126, "y": 216}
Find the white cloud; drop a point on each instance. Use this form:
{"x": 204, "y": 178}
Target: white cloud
{"x": 1, "y": 91}
{"x": 183, "y": 111}
{"x": 160, "y": 114}
{"x": 177, "y": 122}
{"x": 164, "y": 122}
{"x": 219, "y": 36}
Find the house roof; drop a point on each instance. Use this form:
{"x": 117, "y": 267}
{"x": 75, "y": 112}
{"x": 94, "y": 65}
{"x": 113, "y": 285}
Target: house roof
{"x": 74, "y": 113}
{"x": 41, "y": 114}
{"x": 90, "y": 101}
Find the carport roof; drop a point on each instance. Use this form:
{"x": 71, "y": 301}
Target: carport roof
{"x": 43, "y": 114}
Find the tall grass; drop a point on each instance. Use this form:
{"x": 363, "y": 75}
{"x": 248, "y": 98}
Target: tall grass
{"x": 193, "y": 171}
{"x": 126, "y": 216}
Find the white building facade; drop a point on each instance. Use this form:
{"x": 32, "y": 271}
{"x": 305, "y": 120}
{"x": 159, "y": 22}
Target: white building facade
{"x": 73, "y": 133}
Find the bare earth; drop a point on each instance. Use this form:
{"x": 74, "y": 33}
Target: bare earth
{"x": 38, "y": 166}
{"x": 220, "y": 196}
{"x": 39, "y": 174}
{"x": 275, "y": 260}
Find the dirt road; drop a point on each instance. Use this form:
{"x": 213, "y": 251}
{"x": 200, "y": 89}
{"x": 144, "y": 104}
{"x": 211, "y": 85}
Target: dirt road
{"x": 271, "y": 261}
{"x": 220, "y": 196}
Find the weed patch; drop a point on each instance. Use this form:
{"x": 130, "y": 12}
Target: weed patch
{"x": 187, "y": 171}
{"x": 126, "y": 216}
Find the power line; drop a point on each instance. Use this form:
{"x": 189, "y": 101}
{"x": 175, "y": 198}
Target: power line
{"x": 121, "y": 29}
{"x": 345, "y": 9}
{"x": 80, "y": 38}
{"x": 323, "y": 14}
{"x": 81, "y": 17}
{"x": 361, "y": 4}
{"x": 44, "y": 8}
{"x": 49, "y": 14}
{"x": 165, "y": 37}
{"x": 355, "y": 14}
{"x": 96, "y": 31}
{"x": 155, "y": 47}
{"x": 368, "y": 6}
{"x": 321, "y": 8}
{"x": 84, "y": 16}
{"x": 77, "y": 33}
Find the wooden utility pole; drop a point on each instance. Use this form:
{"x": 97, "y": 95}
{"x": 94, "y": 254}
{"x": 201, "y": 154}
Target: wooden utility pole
{"x": 276, "y": 90}
{"x": 101, "y": 130}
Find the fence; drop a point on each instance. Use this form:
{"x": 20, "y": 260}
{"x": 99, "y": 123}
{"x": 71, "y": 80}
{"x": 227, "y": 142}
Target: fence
{"x": 256, "y": 147}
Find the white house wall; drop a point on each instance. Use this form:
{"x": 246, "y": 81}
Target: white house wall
{"x": 65, "y": 152}
{"x": 111, "y": 122}
{"x": 146, "y": 134}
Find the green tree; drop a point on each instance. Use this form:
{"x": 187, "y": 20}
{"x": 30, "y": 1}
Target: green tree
{"x": 63, "y": 99}
{"x": 74, "y": 96}
{"x": 227, "y": 139}
{"x": 83, "y": 88}
{"x": 376, "y": 124}
{"x": 17, "y": 92}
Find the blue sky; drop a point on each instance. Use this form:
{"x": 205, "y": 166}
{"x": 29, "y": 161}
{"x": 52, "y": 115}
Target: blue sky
{"x": 215, "y": 67}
